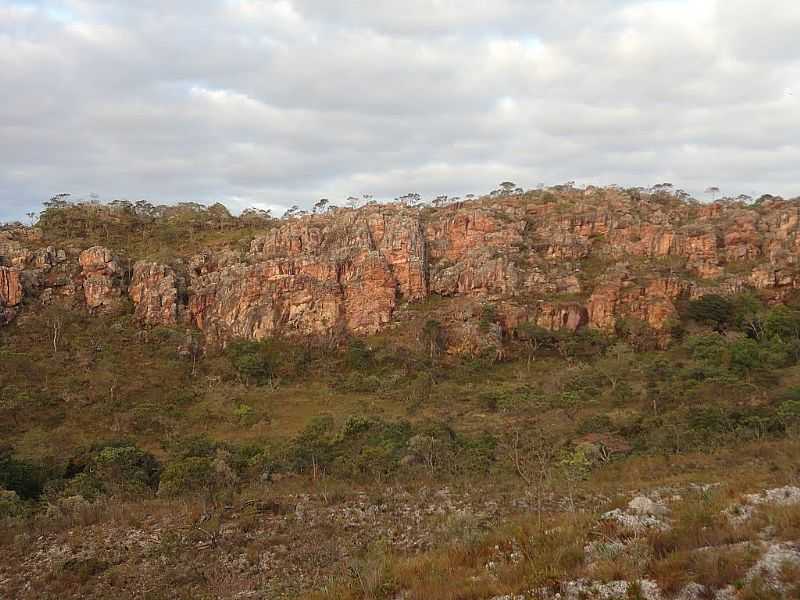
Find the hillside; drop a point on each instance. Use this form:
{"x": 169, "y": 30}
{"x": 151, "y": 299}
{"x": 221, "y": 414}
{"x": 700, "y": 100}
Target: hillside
{"x": 563, "y": 258}
{"x": 574, "y": 393}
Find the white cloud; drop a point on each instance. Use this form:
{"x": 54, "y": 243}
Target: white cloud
{"x": 276, "y": 102}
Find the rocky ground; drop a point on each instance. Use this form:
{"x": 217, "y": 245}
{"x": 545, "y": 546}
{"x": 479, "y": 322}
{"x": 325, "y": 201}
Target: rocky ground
{"x": 293, "y": 545}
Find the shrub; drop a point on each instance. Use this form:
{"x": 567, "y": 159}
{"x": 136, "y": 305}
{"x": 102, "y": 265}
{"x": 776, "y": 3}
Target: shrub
{"x": 583, "y": 344}
{"x": 357, "y": 355}
{"x": 314, "y": 445}
{"x": 10, "y": 504}
{"x": 789, "y": 413}
{"x": 265, "y": 361}
{"x": 358, "y": 382}
{"x": 783, "y": 323}
{"x": 127, "y": 468}
{"x": 195, "y": 445}
{"x": 711, "y": 348}
{"x": 24, "y": 478}
{"x": 244, "y": 413}
{"x": 187, "y": 476}
{"x": 118, "y": 468}
{"x": 370, "y": 447}
{"x": 596, "y": 424}
{"x": 84, "y": 485}
{"x": 747, "y": 356}
{"x": 639, "y": 334}
{"x": 713, "y": 310}
{"x": 250, "y": 361}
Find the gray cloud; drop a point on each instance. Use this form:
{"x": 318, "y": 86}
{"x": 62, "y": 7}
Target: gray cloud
{"x": 276, "y": 102}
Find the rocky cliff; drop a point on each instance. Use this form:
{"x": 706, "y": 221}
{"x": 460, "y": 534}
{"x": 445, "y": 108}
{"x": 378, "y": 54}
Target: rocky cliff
{"x": 559, "y": 259}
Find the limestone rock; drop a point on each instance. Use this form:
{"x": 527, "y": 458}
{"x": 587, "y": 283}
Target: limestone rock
{"x": 642, "y": 505}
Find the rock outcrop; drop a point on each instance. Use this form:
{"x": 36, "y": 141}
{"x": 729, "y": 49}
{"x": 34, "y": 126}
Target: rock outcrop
{"x": 154, "y": 292}
{"x": 102, "y": 276}
{"x": 10, "y": 293}
{"x": 563, "y": 259}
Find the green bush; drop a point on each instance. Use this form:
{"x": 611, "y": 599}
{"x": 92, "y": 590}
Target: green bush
{"x": 24, "y": 478}
{"x": 267, "y": 361}
{"x": 190, "y": 475}
{"x": 127, "y": 467}
{"x": 244, "y": 413}
{"x": 369, "y": 448}
{"x": 358, "y": 355}
{"x": 596, "y": 424}
{"x": 748, "y": 356}
{"x": 118, "y": 468}
{"x": 193, "y": 445}
{"x": 710, "y": 348}
{"x": 85, "y": 485}
{"x": 314, "y": 445}
{"x": 713, "y": 310}
{"x": 10, "y": 505}
{"x": 789, "y": 413}
{"x": 782, "y": 322}
{"x": 583, "y": 344}
{"x": 358, "y": 382}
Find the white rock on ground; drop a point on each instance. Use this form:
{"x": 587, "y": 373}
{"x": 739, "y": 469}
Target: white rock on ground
{"x": 642, "y": 505}
{"x": 788, "y": 495}
{"x": 696, "y": 591}
{"x": 614, "y": 590}
{"x": 635, "y": 522}
{"x": 770, "y": 565}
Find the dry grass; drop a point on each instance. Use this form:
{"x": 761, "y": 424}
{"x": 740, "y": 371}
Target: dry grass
{"x": 782, "y": 521}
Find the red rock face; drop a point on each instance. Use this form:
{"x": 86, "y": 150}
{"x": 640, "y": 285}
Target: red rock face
{"x": 562, "y": 260}
{"x": 154, "y": 292}
{"x": 10, "y": 293}
{"x": 352, "y": 270}
{"x": 100, "y": 273}
{"x": 10, "y": 287}
{"x": 562, "y": 316}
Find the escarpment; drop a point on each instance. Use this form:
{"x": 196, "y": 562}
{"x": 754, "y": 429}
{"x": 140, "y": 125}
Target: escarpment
{"x": 570, "y": 259}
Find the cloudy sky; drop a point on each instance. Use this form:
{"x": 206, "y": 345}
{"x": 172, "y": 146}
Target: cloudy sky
{"x": 271, "y": 103}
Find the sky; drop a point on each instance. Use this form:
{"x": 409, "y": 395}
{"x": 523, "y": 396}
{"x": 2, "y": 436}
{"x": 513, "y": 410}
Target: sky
{"x": 273, "y": 103}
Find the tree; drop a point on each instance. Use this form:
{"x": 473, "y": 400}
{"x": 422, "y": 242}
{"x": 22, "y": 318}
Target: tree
{"x": 252, "y": 360}
{"x": 320, "y": 205}
{"x": 713, "y": 191}
{"x": 533, "y": 453}
{"x": 534, "y": 338}
{"x": 575, "y": 466}
{"x": 410, "y": 199}
{"x": 432, "y": 338}
{"x": 662, "y": 188}
{"x": 506, "y": 188}
{"x": 783, "y": 323}
{"x": 58, "y": 201}
{"x": 255, "y": 217}
{"x": 713, "y": 310}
